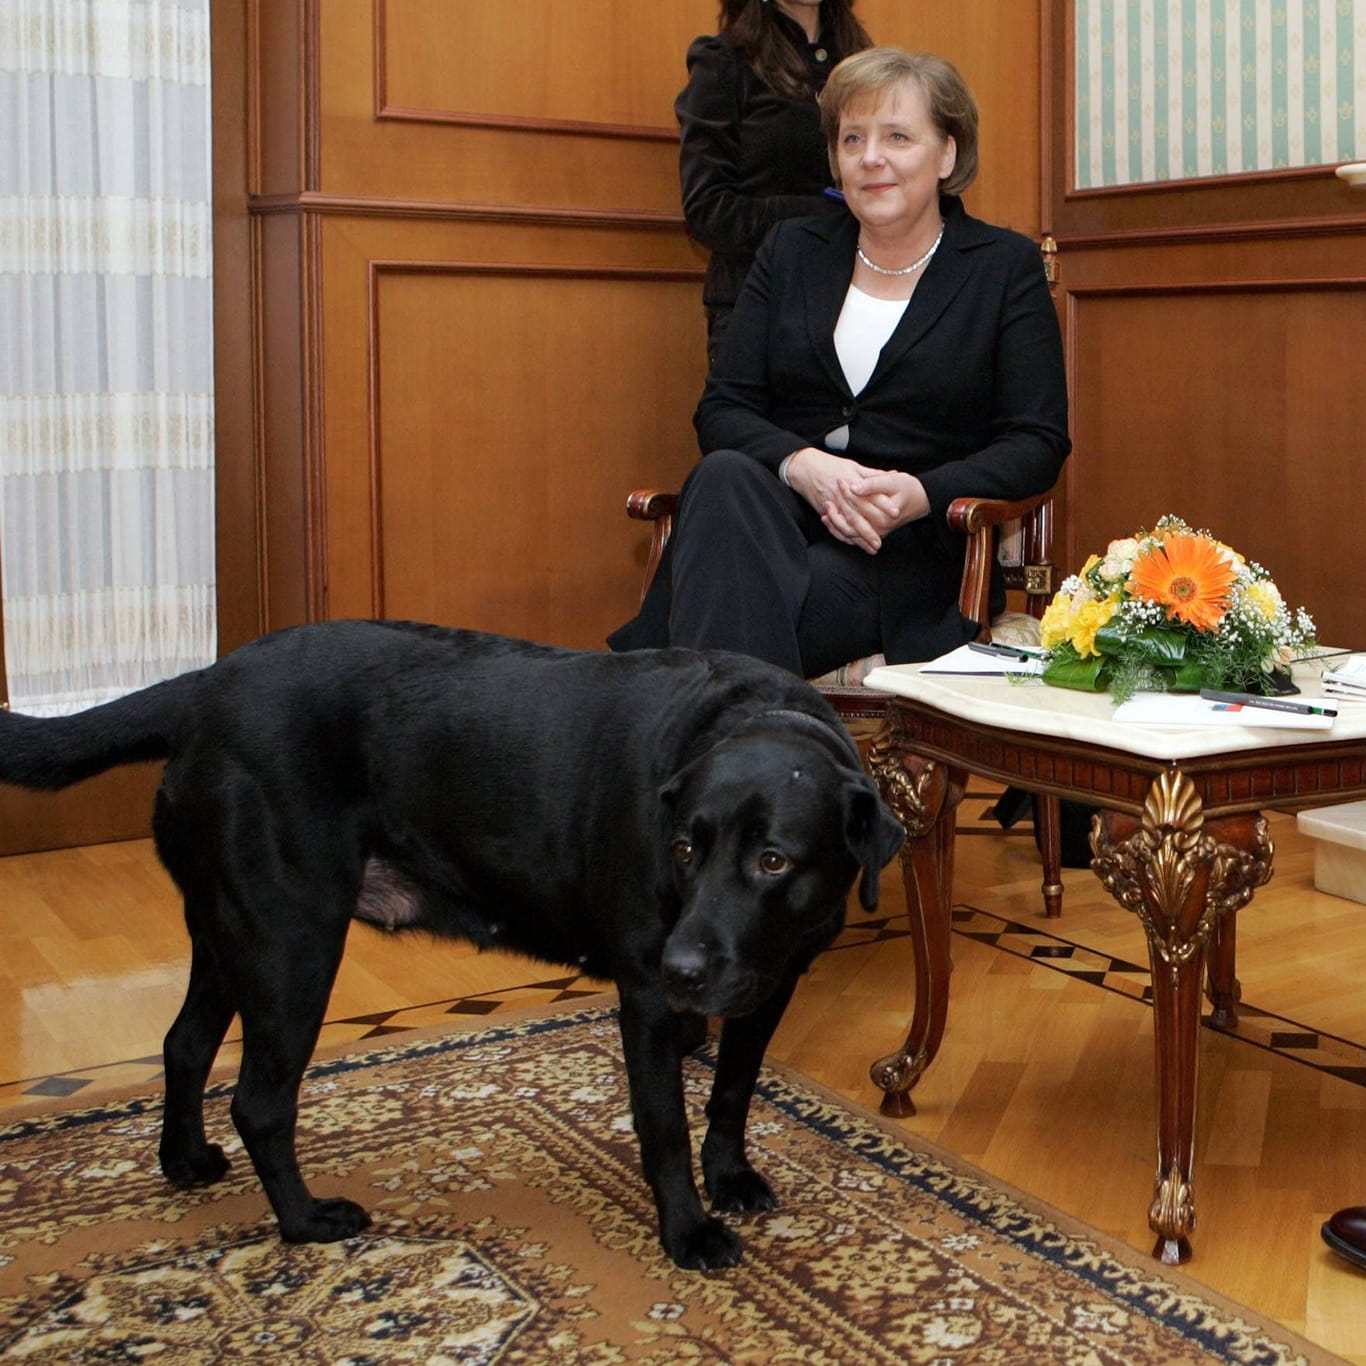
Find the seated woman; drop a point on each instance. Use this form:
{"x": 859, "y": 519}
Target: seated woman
{"x": 877, "y": 366}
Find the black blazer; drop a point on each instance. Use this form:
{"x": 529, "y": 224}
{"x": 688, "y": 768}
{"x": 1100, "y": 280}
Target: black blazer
{"x": 969, "y": 394}
{"x": 748, "y": 157}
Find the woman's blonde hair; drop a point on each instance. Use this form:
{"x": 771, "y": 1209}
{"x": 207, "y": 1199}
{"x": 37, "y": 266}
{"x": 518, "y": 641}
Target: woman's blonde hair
{"x": 867, "y": 75}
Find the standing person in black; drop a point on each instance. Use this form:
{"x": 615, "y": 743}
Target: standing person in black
{"x": 751, "y": 148}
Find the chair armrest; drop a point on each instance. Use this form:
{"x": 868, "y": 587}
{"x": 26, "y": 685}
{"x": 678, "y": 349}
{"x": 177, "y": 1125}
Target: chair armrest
{"x": 649, "y": 505}
{"x": 971, "y": 515}
{"x": 977, "y": 518}
{"x": 655, "y": 506}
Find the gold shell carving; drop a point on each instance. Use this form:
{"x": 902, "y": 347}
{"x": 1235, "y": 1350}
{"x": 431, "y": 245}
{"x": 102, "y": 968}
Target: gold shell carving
{"x": 1154, "y": 871}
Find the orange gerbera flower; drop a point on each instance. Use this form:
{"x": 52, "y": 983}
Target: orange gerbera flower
{"x": 1189, "y": 576}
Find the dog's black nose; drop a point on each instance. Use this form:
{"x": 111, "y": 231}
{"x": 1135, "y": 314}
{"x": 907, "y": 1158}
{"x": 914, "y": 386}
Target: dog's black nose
{"x": 684, "y": 969}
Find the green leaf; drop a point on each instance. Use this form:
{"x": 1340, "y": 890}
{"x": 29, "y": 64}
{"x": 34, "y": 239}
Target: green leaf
{"x": 1154, "y": 646}
{"x": 1190, "y": 676}
{"x": 1087, "y": 675}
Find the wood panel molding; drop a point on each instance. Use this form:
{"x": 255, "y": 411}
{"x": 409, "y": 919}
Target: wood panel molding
{"x": 1238, "y": 230}
{"x": 545, "y": 215}
{"x": 524, "y": 123}
{"x": 1135, "y": 289}
{"x": 282, "y": 105}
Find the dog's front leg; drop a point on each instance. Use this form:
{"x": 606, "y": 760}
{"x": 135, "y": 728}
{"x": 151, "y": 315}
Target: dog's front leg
{"x": 731, "y": 1182}
{"x": 694, "y": 1239}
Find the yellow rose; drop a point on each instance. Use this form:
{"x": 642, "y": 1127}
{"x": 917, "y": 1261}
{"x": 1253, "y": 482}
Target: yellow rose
{"x": 1076, "y": 623}
{"x": 1056, "y": 622}
{"x": 1089, "y": 620}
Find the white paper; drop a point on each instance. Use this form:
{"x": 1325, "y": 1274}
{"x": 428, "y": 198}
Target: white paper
{"x": 1348, "y": 679}
{"x": 966, "y": 660}
{"x": 1351, "y": 670}
{"x": 1190, "y": 709}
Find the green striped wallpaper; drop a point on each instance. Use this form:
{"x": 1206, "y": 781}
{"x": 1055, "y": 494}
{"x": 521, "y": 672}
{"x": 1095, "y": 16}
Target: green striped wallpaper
{"x": 1175, "y": 89}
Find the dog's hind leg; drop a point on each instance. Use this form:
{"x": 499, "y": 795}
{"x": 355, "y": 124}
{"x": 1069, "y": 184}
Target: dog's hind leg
{"x": 187, "y": 1157}
{"x": 730, "y": 1181}
{"x": 282, "y": 1013}
{"x": 650, "y": 1043}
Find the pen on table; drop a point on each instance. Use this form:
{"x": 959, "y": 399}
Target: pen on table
{"x": 1247, "y": 699}
{"x": 1000, "y": 651}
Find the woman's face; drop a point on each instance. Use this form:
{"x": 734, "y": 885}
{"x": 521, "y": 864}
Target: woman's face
{"x": 892, "y": 158}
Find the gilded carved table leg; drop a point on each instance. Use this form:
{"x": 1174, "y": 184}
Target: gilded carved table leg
{"x": 923, "y": 796}
{"x": 1179, "y": 873}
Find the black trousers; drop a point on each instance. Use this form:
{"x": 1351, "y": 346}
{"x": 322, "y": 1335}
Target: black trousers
{"x": 751, "y": 568}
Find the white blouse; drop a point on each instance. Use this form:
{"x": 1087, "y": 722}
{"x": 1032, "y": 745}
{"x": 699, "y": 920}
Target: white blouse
{"x": 864, "y": 326}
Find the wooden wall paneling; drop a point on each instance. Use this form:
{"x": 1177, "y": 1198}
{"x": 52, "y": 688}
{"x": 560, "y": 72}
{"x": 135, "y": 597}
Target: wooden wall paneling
{"x": 1267, "y": 456}
{"x": 448, "y": 148}
{"x": 492, "y": 397}
{"x": 290, "y": 457}
{"x": 611, "y": 65}
{"x": 509, "y": 515}
{"x": 115, "y": 806}
{"x": 281, "y": 110}
{"x": 237, "y": 490}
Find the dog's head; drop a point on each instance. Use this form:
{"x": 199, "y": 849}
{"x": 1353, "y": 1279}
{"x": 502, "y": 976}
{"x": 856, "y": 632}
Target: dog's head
{"x": 764, "y": 835}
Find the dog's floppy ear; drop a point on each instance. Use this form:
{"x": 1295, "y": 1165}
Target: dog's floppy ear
{"x": 872, "y": 833}
{"x": 667, "y": 796}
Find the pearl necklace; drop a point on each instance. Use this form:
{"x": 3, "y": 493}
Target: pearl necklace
{"x": 905, "y": 270}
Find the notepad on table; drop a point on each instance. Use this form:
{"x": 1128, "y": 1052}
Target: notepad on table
{"x": 1189, "y": 709}
{"x": 966, "y": 660}
{"x": 1348, "y": 679}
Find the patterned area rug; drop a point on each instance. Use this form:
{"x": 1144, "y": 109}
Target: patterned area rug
{"x": 512, "y": 1226}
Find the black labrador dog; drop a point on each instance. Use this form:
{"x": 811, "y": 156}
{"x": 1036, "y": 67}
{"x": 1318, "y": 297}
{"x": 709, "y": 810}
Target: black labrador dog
{"x": 687, "y": 825}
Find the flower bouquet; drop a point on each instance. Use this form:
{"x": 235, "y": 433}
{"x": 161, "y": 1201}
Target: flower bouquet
{"x": 1170, "y": 609}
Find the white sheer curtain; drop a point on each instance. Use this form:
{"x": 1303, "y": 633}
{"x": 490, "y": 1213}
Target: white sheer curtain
{"x": 106, "y": 347}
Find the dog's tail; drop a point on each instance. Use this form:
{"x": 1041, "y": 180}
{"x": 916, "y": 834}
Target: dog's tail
{"x": 50, "y": 752}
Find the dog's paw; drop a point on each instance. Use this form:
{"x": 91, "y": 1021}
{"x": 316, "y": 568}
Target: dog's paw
{"x": 328, "y": 1221}
{"x": 199, "y": 1168}
{"x": 742, "y": 1191}
{"x": 706, "y": 1246}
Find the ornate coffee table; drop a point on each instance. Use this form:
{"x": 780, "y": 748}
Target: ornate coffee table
{"x": 1180, "y": 841}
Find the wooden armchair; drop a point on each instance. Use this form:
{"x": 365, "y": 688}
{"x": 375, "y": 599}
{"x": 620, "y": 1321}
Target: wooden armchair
{"x": 1023, "y": 531}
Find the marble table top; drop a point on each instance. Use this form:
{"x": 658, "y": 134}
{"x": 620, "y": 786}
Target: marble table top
{"x": 1032, "y": 706}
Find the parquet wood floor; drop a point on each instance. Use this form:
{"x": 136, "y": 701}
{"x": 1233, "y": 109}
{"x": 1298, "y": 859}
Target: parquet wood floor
{"x": 1045, "y": 1077}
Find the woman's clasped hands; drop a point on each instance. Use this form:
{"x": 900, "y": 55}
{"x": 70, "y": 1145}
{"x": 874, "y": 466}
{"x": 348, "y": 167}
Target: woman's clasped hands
{"x": 858, "y": 505}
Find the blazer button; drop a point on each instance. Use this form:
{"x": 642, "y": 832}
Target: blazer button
{"x": 847, "y": 410}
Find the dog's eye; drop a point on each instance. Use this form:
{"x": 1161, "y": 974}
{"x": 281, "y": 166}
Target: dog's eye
{"x": 771, "y": 861}
{"x": 682, "y": 851}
